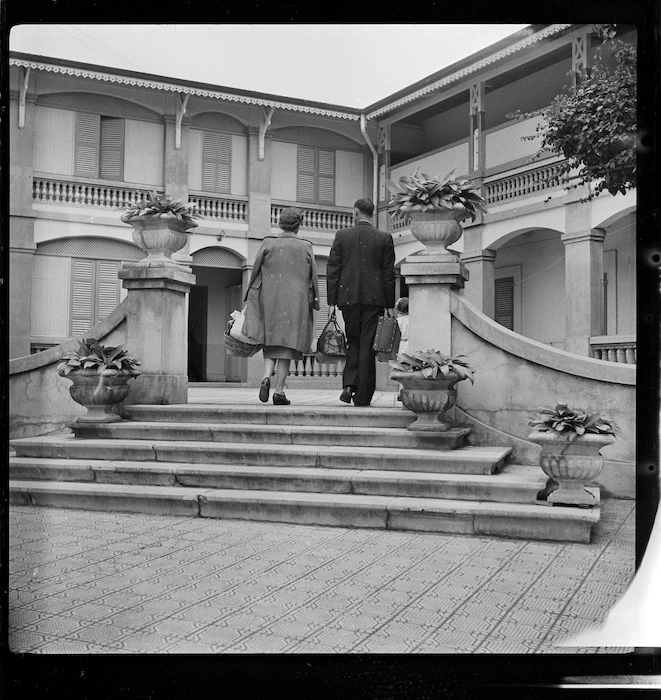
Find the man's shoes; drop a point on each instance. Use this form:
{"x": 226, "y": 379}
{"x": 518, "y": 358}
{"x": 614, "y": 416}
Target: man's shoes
{"x": 264, "y": 389}
{"x": 280, "y": 400}
{"x": 359, "y": 403}
{"x": 347, "y": 394}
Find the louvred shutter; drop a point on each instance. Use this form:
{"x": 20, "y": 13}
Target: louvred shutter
{"x": 82, "y": 295}
{"x": 505, "y": 302}
{"x": 107, "y": 288}
{"x": 306, "y": 172}
{"x": 86, "y": 160}
{"x": 112, "y": 149}
{"x": 327, "y": 177}
{"x": 216, "y": 161}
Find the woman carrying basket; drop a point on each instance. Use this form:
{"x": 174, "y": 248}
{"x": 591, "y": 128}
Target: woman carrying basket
{"x": 282, "y": 292}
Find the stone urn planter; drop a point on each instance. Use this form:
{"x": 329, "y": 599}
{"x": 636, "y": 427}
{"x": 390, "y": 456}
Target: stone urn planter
{"x": 437, "y": 229}
{"x": 98, "y": 393}
{"x": 159, "y": 237}
{"x": 571, "y": 440}
{"x": 572, "y": 465}
{"x": 429, "y": 399}
{"x": 435, "y": 206}
{"x": 428, "y": 382}
{"x": 160, "y": 226}
{"x": 100, "y": 376}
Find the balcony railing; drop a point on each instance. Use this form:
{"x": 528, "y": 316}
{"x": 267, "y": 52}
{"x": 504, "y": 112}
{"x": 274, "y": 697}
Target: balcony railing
{"x": 219, "y": 208}
{"x": 309, "y": 366}
{"x": 316, "y": 218}
{"x": 46, "y": 189}
{"x": 614, "y": 348}
{"x": 503, "y": 188}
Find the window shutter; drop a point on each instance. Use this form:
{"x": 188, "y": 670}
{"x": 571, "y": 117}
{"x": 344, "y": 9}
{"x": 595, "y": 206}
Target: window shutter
{"x": 505, "y": 302}
{"x": 86, "y": 162}
{"x": 306, "y": 174}
{"x": 107, "y": 288}
{"x": 82, "y": 293}
{"x": 327, "y": 177}
{"x": 216, "y": 161}
{"x": 112, "y": 149}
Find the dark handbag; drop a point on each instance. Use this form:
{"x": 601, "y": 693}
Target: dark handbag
{"x": 386, "y": 339}
{"x": 332, "y": 342}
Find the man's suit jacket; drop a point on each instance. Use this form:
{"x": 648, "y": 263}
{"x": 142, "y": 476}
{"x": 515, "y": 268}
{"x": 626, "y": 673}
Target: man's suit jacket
{"x": 361, "y": 267}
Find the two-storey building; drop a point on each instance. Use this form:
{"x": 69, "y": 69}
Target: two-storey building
{"x": 86, "y": 139}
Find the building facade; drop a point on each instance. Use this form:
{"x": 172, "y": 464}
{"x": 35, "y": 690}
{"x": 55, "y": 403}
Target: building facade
{"x": 84, "y": 140}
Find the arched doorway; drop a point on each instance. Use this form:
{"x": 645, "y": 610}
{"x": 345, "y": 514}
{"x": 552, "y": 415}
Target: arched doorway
{"x": 217, "y": 292}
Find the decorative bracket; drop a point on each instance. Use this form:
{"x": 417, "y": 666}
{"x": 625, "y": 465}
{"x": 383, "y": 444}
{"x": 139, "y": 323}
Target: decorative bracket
{"x": 383, "y": 138}
{"x": 22, "y": 97}
{"x": 264, "y": 123}
{"x": 182, "y": 102}
{"x": 580, "y": 57}
{"x": 476, "y": 98}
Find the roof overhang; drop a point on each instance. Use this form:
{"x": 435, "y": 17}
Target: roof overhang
{"x": 179, "y": 87}
{"x": 455, "y": 76}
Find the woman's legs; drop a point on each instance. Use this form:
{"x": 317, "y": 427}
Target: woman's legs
{"x": 282, "y": 372}
{"x": 269, "y": 364}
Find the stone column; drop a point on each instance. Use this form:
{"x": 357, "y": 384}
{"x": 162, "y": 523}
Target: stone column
{"x": 584, "y": 288}
{"x": 21, "y": 227}
{"x": 175, "y": 173}
{"x": 430, "y": 279}
{"x": 480, "y": 291}
{"x": 259, "y": 186}
{"x": 157, "y": 330}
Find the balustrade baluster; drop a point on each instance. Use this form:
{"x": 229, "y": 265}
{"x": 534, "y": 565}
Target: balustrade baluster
{"x": 619, "y": 354}
{"x": 629, "y": 356}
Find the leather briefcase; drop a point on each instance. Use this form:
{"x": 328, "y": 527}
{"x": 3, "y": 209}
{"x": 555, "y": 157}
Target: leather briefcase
{"x": 386, "y": 340}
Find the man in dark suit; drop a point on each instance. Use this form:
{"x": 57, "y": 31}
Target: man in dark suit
{"x": 360, "y": 278}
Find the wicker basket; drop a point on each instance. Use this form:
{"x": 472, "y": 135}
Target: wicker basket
{"x": 238, "y": 348}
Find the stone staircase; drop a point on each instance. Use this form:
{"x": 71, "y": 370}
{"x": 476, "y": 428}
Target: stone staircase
{"x": 342, "y": 466}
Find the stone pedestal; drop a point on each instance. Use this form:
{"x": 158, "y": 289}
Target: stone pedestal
{"x": 480, "y": 291}
{"x": 157, "y": 330}
{"x": 430, "y": 279}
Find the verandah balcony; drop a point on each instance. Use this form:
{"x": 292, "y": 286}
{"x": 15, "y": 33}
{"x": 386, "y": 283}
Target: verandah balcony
{"x": 315, "y": 217}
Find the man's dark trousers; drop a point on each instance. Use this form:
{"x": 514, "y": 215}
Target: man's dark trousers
{"x": 360, "y": 322}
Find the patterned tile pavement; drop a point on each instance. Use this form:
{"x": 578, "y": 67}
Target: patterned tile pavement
{"x": 113, "y": 583}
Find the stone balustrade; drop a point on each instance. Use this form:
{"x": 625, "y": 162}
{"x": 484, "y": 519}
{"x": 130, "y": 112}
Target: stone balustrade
{"x": 506, "y": 187}
{"x": 219, "y": 208}
{"x": 614, "y": 348}
{"x": 56, "y": 190}
{"x": 309, "y": 366}
{"x": 317, "y": 218}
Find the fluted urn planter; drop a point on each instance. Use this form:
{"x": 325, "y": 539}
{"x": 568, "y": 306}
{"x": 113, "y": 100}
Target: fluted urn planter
{"x": 437, "y": 229}
{"x": 98, "y": 393}
{"x": 428, "y": 398}
{"x": 159, "y": 236}
{"x": 572, "y": 465}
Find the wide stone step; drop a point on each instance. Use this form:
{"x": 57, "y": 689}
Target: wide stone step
{"x": 267, "y": 414}
{"x": 515, "y": 484}
{"x": 465, "y": 460}
{"x": 269, "y": 434}
{"x": 535, "y": 521}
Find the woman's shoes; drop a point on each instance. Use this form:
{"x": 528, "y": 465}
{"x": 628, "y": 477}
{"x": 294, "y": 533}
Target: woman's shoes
{"x": 264, "y": 389}
{"x": 347, "y": 394}
{"x": 280, "y": 400}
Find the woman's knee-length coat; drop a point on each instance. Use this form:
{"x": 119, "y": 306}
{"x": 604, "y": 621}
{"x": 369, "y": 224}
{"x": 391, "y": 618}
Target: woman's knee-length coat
{"x": 282, "y": 292}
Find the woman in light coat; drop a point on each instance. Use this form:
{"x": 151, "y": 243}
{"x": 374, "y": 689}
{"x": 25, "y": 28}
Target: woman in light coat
{"x": 282, "y": 292}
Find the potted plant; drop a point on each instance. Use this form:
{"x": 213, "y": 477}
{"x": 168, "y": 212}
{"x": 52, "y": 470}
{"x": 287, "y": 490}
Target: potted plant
{"x": 100, "y": 376}
{"x": 428, "y": 380}
{"x": 159, "y": 225}
{"x": 435, "y": 205}
{"x": 571, "y": 440}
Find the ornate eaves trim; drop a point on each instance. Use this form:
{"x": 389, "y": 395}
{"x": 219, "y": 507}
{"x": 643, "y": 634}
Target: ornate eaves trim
{"x": 168, "y": 87}
{"x": 478, "y": 65}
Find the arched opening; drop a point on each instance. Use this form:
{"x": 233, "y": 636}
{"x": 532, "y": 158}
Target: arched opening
{"x": 217, "y": 292}
{"x": 529, "y": 279}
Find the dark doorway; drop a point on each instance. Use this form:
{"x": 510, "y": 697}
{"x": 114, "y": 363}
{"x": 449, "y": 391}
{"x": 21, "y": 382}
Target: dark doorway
{"x": 197, "y": 333}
